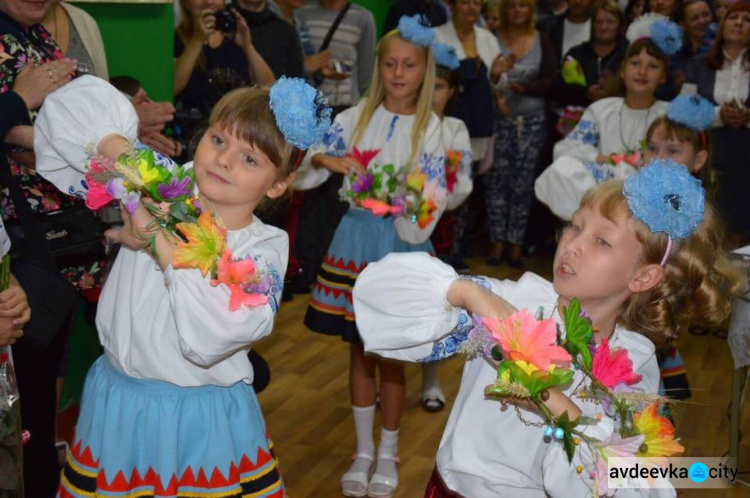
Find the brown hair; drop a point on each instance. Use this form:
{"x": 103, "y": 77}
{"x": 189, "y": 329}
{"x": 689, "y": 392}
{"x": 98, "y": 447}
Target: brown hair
{"x": 505, "y": 5}
{"x": 715, "y": 58}
{"x": 699, "y": 281}
{"x": 185, "y": 32}
{"x": 698, "y": 139}
{"x": 609, "y": 7}
{"x": 246, "y": 114}
{"x": 617, "y": 87}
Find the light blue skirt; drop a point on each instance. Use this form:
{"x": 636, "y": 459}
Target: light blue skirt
{"x": 152, "y": 438}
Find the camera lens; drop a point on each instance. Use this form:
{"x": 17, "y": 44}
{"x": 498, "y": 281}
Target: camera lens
{"x": 225, "y": 21}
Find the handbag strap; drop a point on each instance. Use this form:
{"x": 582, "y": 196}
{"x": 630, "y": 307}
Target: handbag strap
{"x": 334, "y": 27}
{"x": 26, "y": 217}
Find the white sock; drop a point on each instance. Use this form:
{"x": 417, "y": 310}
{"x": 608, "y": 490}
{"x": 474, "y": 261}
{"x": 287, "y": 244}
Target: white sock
{"x": 429, "y": 375}
{"x": 364, "y": 417}
{"x": 389, "y": 449}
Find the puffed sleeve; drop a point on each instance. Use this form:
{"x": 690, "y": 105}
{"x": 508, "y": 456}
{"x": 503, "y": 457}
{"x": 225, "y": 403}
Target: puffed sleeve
{"x": 208, "y": 330}
{"x": 583, "y": 142}
{"x": 460, "y": 150}
{"x": 70, "y": 124}
{"x": 401, "y": 308}
{"x": 432, "y": 163}
{"x": 335, "y": 143}
{"x": 400, "y": 305}
{"x": 561, "y": 186}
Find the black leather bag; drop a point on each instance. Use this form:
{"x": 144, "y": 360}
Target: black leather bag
{"x": 39, "y": 244}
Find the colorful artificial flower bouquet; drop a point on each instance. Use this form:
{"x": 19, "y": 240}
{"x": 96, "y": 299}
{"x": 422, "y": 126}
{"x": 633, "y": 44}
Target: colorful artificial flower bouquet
{"x": 169, "y": 194}
{"x": 381, "y": 189}
{"x": 633, "y": 157}
{"x": 533, "y": 358}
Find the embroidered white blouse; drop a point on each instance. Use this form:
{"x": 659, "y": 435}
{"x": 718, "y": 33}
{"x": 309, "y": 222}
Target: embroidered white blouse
{"x": 170, "y": 325}
{"x": 402, "y": 313}
{"x": 607, "y": 127}
{"x": 390, "y": 135}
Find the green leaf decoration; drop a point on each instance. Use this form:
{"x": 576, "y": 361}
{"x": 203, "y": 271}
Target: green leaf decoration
{"x": 578, "y": 333}
{"x": 389, "y": 169}
{"x": 539, "y": 380}
{"x": 568, "y": 442}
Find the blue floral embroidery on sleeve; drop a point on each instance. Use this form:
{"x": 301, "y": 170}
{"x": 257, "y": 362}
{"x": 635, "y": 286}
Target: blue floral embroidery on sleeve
{"x": 434, "y": 167}
{"x": 277, "y": 285}
{"x": 333, "y": 140}
{"x": 585, "y": 132}
{"x": 449, "y": 345}
{"x": 81, "y": 194}
{"x": 600, "y": 172}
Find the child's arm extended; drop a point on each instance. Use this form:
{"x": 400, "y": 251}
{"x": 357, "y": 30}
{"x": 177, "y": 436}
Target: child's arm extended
{"x": 409, "y": 306}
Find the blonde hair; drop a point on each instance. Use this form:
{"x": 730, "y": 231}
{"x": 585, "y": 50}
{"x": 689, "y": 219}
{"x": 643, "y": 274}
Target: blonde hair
{"x": 376, "y": 95}
{"x": 699, "y": 281}
{"x": 504, "y": 22}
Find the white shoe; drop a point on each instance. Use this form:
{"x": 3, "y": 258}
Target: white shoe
{"x": 383, "y": 486}
{"x": 355, "y": 483}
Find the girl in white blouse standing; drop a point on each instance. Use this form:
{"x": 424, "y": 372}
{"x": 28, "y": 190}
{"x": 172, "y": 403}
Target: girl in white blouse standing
{"x": 169, "y": 409}
{"x": 388, "y": 137}
{"x": 607, "y": 141}
{"x": 630, "y": 280}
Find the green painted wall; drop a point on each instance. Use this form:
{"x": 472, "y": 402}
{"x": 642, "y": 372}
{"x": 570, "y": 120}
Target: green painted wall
{"x": 379, "y": 9}
{"x": 139, "y": 40}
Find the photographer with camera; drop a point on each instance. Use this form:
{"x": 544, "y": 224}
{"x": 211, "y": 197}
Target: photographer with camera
{"x": 214, "y": 54}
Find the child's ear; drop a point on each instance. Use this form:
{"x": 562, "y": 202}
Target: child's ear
{"x": 450, "y": 93}
{"x": 700, "y": 161}
{"x": 645, "y": 278}
{"x": 281, "y": 186}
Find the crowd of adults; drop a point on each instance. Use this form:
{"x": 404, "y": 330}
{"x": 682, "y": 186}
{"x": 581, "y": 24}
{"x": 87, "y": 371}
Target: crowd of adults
{"x": 513, "y": 92}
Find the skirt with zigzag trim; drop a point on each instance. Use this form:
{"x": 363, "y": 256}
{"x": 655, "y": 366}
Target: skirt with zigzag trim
{"x": 361, "y": 238}
{"x": 147, "y": 438}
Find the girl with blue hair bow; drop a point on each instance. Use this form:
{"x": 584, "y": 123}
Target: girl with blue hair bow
{"x": 169, "y": 409}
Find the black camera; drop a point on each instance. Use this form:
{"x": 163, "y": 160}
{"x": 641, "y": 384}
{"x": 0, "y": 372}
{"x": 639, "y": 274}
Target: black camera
{"x": 225, "y": 21}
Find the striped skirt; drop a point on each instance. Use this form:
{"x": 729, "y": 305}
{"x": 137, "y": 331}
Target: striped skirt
{"x": 147, "y": 438}
{"x": 360, "y": 239}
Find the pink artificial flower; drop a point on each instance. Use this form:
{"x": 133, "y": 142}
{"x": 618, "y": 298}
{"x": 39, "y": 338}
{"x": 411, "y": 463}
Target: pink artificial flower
{"x": 522, "y": 337}
{"x": 97, "y": 196}
{"x": 379, "y": 208}
{"x": 613, "y": 446}
{"x": 613, "y": 366}
{"x": 235, "y": 274}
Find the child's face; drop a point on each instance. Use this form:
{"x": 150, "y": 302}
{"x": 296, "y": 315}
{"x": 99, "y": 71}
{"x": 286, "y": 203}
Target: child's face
{"x": 443, "y": 93}
{"x": 643, "y": 73}
{"x": 661, "y": 146}
{"x": 402, "y": 69}
{"x": 233, "y": 175}
{"x": 597, "y": 259}
{"x": 492, "y": 20}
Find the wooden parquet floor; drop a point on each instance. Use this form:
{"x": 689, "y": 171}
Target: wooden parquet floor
{"x": 309, "y": 417}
